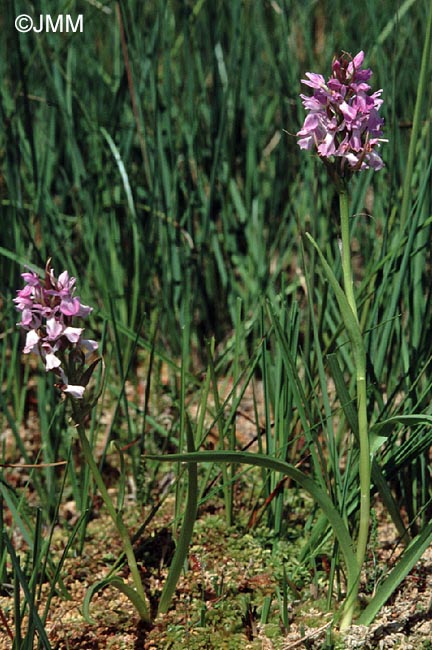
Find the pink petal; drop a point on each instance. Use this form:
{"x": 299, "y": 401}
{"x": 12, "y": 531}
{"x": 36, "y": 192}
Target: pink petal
{"x": 84, "y": 311}
{"x": 51, "y": 361}
{"x": 32, "y": 340}
{"x": 70, "y": 306}
{"x": 314, "y": 80}
{"x": 54, "y": 329}
{"x": 75, "y": 391}
{"x": 73, "y": 333}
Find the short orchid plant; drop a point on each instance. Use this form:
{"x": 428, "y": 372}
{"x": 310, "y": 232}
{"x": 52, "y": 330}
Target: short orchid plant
{"x": 48, "y": 309}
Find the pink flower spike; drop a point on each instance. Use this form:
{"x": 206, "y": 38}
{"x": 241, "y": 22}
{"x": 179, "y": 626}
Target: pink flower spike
{"x": 47, "y": 309}
{"x": 342, "y": 123}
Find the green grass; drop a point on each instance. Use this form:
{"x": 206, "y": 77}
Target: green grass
{"x": 153, "y": 156}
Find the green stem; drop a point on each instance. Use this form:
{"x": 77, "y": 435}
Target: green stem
{"x": 346, "y": 252}
{"x": 116, "y": 517}
{"x": 360, "y": 367}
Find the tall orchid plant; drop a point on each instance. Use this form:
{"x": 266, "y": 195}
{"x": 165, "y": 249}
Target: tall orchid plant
{"x": 344, "y": 127}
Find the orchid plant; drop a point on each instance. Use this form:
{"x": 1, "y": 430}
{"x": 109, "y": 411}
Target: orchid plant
{"x": 344, "y": 127}
{"x": 48, "y": 308}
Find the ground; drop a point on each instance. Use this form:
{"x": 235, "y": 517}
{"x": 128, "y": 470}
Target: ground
{"x": 233, "y": 574}
{"x": 244, "y": 588}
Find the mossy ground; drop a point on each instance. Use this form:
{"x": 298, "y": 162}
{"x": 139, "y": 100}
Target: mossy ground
{"x": 243, "y": 588}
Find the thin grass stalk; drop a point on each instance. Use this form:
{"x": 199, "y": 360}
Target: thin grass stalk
{"x": 331, "y": 439}
{"x": 226, "y": 485}
{"x": 36, "y": 571}
{"x": 236, "y": 375}
{"x": 200, "y": 435}
{"x": 132, "y": 93}
{"x": 422, "y": 90}
{"x": 189, "y": 518}
{"x": 148, "y": 380}
{"x": 300, "y": 400}
{"x": 265, "y": 370}
{"x": 3, "y": 572}
{"x": 17, "y": 604}
{"x": 185, "y": 359}
{"x": 20, "y": 582}
{"x": 56, "y": 577}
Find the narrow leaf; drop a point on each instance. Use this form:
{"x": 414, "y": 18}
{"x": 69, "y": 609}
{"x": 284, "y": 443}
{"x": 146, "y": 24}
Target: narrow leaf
{"x": 409, "y": 559}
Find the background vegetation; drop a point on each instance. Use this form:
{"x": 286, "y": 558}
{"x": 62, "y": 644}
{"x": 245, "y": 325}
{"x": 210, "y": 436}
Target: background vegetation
{"x": 153, "y": 156}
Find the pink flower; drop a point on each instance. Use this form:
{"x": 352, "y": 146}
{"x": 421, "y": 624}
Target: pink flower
{"x": 51, "y": 361}
{"x": 54, "y": 329}
{"x": 343, "y": 124}
{"x": 47, "y": 307}
{"x": 32, "y": 342}
{"x": 74, "y": 391}
{"x": 73, "y": 334}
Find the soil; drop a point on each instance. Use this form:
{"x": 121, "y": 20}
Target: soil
{"x": 235, "y": 572}
{"x": 218, "y": 600}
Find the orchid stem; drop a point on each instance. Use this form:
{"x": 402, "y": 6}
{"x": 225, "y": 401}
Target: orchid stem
{"x": 346, "y": 251}
{"x": 117, "y": 520}
{"x": 360, "y": 367}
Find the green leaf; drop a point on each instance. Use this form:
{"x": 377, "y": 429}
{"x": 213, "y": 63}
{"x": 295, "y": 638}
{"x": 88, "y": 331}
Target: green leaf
{"x": 186, "y": 531}
{"x": 339, "y": 528}
{"x": 118, "y": 583}
{"x": 349, "y": 319}
{"x": 409, "y": 559}
{"x": 380, "y": 431}
{"x": 385, "y": 427}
